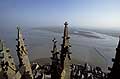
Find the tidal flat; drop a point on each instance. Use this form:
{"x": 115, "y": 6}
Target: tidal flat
{"x": 87, "y": 46}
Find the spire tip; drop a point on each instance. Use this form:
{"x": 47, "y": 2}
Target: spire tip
{"x": 66, "y": 23}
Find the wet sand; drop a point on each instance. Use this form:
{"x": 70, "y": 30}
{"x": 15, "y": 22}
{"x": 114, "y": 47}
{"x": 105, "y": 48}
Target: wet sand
{"x": 85, "y": 47}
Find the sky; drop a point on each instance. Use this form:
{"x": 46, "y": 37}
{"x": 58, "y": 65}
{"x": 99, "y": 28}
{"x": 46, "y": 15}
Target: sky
{"x": 80, "y": 13}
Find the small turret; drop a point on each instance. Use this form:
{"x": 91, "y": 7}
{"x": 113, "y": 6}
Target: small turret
{"x": 54, "y": 51}
{"x": 24, "y": 63}
{"x": 55, "y": 74}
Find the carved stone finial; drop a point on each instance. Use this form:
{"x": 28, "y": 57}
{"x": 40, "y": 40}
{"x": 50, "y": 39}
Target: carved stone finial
{"x": 65, "y": 23}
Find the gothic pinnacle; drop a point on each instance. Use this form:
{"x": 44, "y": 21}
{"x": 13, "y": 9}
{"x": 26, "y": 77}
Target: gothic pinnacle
{"x": 65, "y": 45}
{"x": 24, "y": 63}
{"x": 65, "y": 54}
{"x": 55, "y": 62}
{"x": 115, "y": 70}
{"x": 54, "y": 46}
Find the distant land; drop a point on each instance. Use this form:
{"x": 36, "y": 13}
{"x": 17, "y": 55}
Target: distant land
{"x": 74, "y": 31}
{"x": 82, "y": 31}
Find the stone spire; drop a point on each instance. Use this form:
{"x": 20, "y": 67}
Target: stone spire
{"x": 65, "y": 54}
{"x": 55, "y": 74}
{"x": 7, "y": 65}
{"x": 24, "y": 63}
{"x": 115, "y": 70}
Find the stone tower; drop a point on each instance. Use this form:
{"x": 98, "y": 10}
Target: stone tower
{"x": 24, "y": 63}
{"x": 7, "y": 64}
{"x": 115, "y": 70}
{"x": 65, "y": 59}
{"x": 55, "y": 74}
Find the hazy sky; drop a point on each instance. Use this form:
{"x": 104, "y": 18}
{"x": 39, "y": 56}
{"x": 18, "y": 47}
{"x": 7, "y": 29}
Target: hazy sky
{"x": 88, "y": 13}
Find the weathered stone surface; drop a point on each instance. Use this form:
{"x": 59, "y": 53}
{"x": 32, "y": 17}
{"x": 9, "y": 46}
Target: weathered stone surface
{"x": 65, "y": 54}
{"x": 24, "y": 63}
{"x": 7, "y": 65}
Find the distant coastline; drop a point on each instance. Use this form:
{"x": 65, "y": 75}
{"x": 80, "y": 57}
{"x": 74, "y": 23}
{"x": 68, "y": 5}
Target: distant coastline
{"x": 75, "y": 31}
